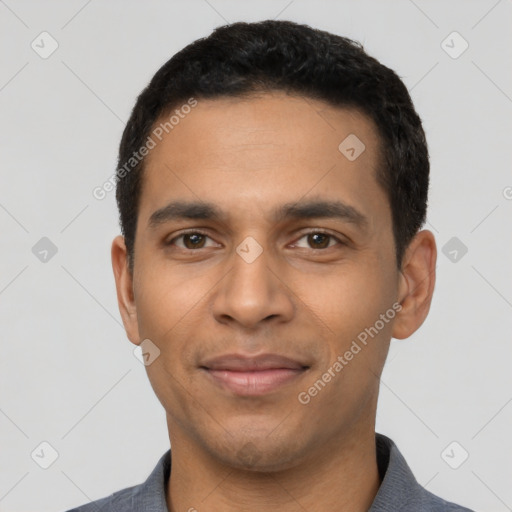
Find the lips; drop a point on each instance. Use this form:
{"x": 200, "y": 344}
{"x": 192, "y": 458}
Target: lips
{"x": 252, "y": 375}
{"x": 238, "y": 362}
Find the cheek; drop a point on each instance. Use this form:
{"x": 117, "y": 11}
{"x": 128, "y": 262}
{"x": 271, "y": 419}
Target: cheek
{"x": 348, "y": 300}
{"x": 351, "y": 305}
{"x": 168, "y": 312}
{"x": 171, "y": 313}
{"x": 165, "y": 297}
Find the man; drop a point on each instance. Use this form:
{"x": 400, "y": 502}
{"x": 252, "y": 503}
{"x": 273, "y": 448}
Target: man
{"x": 272, "y": 185}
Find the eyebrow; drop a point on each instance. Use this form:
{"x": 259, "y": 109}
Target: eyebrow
{"x": 312, "y": 209}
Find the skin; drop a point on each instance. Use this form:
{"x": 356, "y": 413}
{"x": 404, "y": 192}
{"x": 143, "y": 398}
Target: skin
{"x": 304, "y": 298}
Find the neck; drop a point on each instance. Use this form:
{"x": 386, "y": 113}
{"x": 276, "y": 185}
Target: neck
{"x": 341, "y": 475}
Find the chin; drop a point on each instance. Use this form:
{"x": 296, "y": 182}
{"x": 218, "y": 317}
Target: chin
{"x": 260, "y": 453}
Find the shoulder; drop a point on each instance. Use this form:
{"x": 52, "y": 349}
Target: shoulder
{"x": 399, "y": 490}
{"x": 117, "y": 501}
{"x": 149, "y": 495}
{"x": 428, "y": 502}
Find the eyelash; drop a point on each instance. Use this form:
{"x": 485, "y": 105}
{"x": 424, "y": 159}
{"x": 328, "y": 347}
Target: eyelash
{"x": 202, "y": 233}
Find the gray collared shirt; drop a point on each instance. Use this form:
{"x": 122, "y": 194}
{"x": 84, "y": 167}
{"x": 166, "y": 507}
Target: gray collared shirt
{"x": 398, "y": 492}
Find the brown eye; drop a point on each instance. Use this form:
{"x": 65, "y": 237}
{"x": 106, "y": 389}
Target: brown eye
{"x": 318, "y": 240}
{"x": 193, "y": 240}
{"x": 190, "y": 241}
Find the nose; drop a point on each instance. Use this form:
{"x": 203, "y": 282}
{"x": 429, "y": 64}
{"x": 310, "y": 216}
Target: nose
{"x": 252, "y": 293}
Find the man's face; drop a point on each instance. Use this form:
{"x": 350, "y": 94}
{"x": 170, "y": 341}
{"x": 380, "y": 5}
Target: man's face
{"x": 303, "y": 285}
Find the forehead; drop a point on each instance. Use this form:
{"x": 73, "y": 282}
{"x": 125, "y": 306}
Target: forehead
{"x": 252, "y": 154}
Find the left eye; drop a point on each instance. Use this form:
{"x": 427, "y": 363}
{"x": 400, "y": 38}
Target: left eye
{"x": 319, "y": 240}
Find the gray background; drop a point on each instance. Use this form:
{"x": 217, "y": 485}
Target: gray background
{"x": 68, "y": 375}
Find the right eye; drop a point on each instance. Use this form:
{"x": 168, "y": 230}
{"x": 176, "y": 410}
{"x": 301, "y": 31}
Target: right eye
{"x": 191, "y": 240}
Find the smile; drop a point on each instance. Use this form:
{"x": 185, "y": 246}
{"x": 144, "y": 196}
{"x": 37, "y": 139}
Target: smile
{"x": 254, "y": 382}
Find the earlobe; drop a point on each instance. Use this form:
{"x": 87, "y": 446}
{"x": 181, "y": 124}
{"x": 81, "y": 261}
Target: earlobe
{"x": 416, "y": 286}
{"x": 124, "y": 289}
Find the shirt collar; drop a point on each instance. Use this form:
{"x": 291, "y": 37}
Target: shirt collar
{"x": 398, "y": 483}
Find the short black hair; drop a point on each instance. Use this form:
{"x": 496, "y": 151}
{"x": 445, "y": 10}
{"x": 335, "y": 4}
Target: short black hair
{"x": 241, "y": 59}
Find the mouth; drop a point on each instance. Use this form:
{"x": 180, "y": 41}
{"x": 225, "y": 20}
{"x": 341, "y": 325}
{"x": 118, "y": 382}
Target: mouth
{"x": 253, "y": 376}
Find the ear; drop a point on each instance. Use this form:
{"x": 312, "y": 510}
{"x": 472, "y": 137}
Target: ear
{"x": 416, "y": 284}
{"x": 124, "y": 287}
